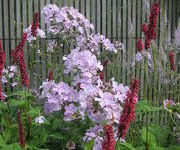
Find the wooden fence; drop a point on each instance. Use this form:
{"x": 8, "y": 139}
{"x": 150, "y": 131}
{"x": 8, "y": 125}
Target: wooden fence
{"x": 116, "y": 19}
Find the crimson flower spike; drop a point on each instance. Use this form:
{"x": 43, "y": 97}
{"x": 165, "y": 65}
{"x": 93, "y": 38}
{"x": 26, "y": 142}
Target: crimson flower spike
{"x": 171, "y": 60}
{"x": 29, "y": 127}
{"x": 14, "y": 56}
{"x": 22, "y": 64}
{"x": 50, "y": 76}
{"x": 35, "y": 24}
{"x": 101, "y": 73}
{"x": 109, "y": 142}
{"x": 2, "y": 62}
{"x": 139, "y": 45}
{"x": 150, "y": 29}
{"x": 128, "y": 114}
{"x": 21, "y": 130}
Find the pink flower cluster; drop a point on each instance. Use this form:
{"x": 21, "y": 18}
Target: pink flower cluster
{"x": 94, "y": 133}
{"x": 128, "y": 113}
{"x": 75, "y": 28}
{"x": 88, "y": 94}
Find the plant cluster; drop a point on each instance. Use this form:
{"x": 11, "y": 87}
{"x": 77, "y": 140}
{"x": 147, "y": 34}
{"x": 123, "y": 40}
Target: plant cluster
{"x": 88, "y": 111}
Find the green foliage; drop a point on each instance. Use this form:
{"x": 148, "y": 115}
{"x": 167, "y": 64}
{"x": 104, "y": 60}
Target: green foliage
{"x": 142, "y": 107}
{"x": 89, "y": 145}
{"x": 124, "y": 146}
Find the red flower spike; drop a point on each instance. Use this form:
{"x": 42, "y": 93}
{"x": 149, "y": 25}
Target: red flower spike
{"x": 171, "y": 60}
{"x": 150, "y": 30}
{"x": 50, "y": 76}
{"x": 153, "y": 21}
{"x": 147, "y": 43}
{"x": 139, "y": 45}
{"x": 2, "y": 62}
{"x": 145, "y": 29}
{"x": 14, "y": 56}
{"x": 21, "y": 130}
{"x": 35, "y": 24}
{"x": 22, "y": 64}
{"x": 128, "y": 114}
{"x": 101, "y": 73}
{"x": 79, "y": 85}
{"x": 109, "y": 142}
{"x": 29, "y": 127}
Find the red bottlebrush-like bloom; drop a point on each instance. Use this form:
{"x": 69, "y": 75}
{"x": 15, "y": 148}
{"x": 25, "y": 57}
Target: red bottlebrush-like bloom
{"x": 21, "y": 130}
{"x": 29, "y": 127}
{"x": 109, "y": 142}
{"x": 2, "y": 59}
{"x": 128, "y": 113}
{"x": 14, "y": 56}
{"x": 147, "y": 43}
{"x": 35, "y": 24}
{"x": 139, "y": 45}
{"x": 79, "y": 85}
{"x": 153, "y": 21}
{"x": 101, "y": 73}
{"x": 171, "y": 59}
{"x": 145, "y": 29}
{"x": 22, "y": 65}
{"x": 150, "y": 30}
{"x": 2, "y": 62}
{"x": 50, "y": 76}
{"x": 1, "y": 96}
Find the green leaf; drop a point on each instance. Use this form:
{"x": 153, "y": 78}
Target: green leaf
{"x": 173, "y": 147}
{"x": 21, "y": 93}
{"x": 34, "y": 112}
{"x": 143, "y": 107}
{"x": 2, "y": 105}
{"x": 89, "y": 145}
{"x": 160, "y": 133}
{"x": 2, "y": 142}
{"x": 16, "y": 103}
{"x": 124, "y": 145}
{"x": 151, "y": 137}
{"x": 58, "y": 136}
{"x": 14, "y": 146}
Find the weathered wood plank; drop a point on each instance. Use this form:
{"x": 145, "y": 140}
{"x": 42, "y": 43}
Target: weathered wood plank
{"x": 6, "y": 32}
{"x": 1, "y": 22}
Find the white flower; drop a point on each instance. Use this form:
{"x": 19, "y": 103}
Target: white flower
{"x": 70, "y": 145}
{"x": 168, "y": 103}
{"x": 3, "y": 79}
{"x": 11, "y": 75}
{"x": 138, "y": 56}
{"x": 40, "y": 119}
{"x": 13, "y": 68}
{"x": 14, "y": 84}
{"x": 149, "y": 55}
{"x": 41, "y": 33}
{"x": 5, "y": 71}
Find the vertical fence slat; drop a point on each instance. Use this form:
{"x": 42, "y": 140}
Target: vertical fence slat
{"x": 1, "y": 21}
{"x": 42, "y": 4}
{"x": 6, "y": 32}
